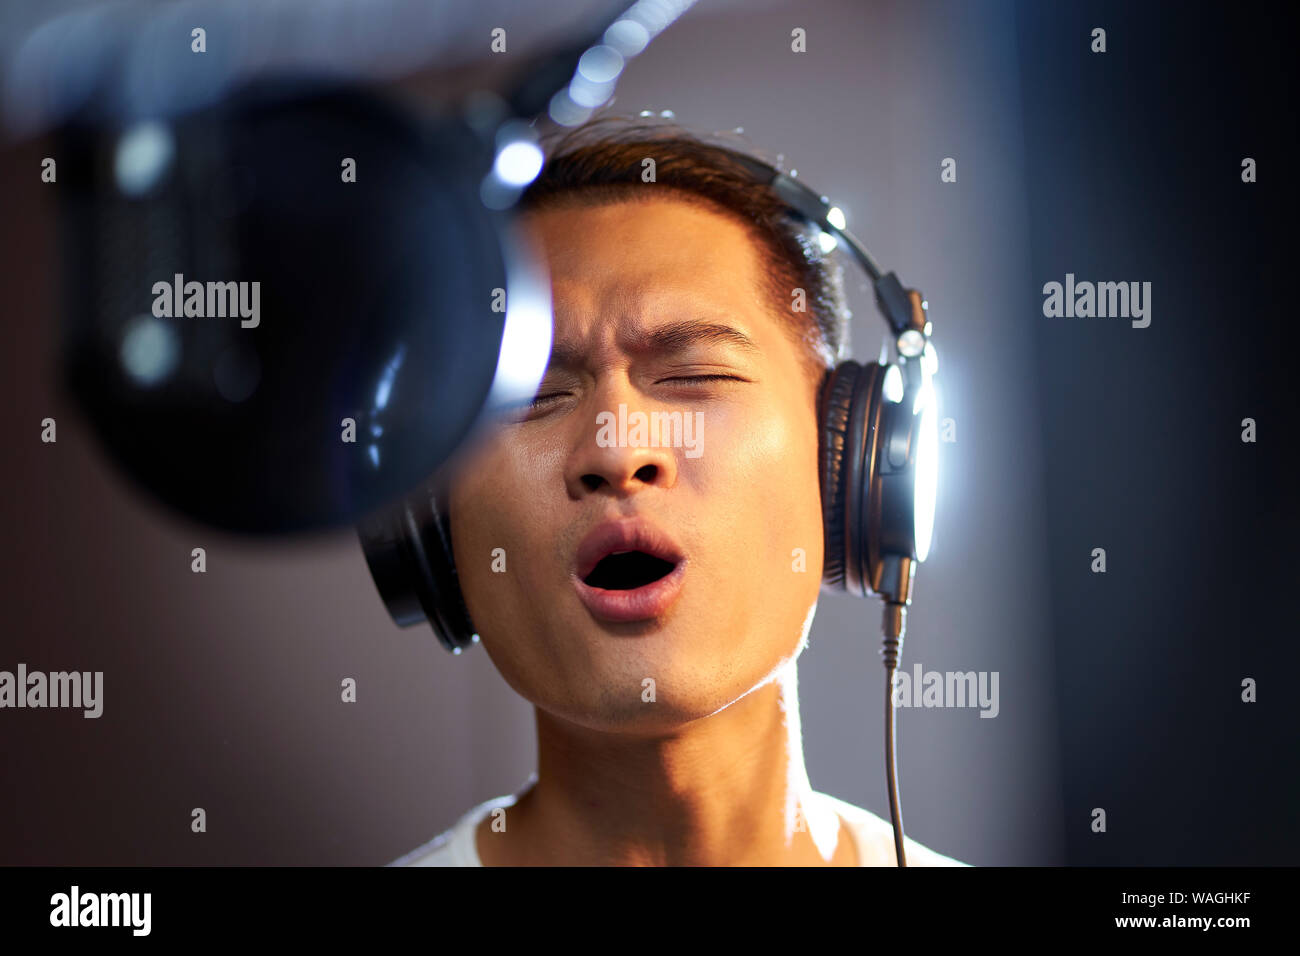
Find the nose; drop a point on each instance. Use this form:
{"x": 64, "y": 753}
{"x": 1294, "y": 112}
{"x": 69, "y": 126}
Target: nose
{"x": 609, "y": 456}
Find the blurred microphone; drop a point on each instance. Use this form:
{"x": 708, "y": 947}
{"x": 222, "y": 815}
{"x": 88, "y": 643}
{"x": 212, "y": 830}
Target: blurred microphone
{"x": 289, "y": 298}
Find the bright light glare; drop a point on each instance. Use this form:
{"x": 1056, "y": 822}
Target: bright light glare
{"x": 519, "y": 163}
{"x": 930, "y": 357}
{"x": 601, "y": 64}
{"x": 627, "y": 37}
{"x": 588, "y": 93}
{"x": 893, "y": 386}
{"x": 565, "y": 111}
{"x": 911, "y": 343}
{"x": 150, "y": 350}
{"x": 836, "y": 217}
{"x": 526, "y": 338}
{"x": 525, "y": 347}
{"x": 926, "y": 490}
{"x": 144, "y": 153}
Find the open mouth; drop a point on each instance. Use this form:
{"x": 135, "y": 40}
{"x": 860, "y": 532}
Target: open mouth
{"x": 627, "y": 571}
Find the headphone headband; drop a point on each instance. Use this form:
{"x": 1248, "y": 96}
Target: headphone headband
{"x": 900, "y": 312}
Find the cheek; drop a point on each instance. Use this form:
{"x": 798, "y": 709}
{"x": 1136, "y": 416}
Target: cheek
{"x": 491, "y": 525}
{"x": 773, "y": 454}
{"x": 762, "y": 479}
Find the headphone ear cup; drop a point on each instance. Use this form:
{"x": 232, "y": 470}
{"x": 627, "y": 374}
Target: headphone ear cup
{"x": 452, "y": 612}
{"x": 409, "y": 551}
{"x": 834, "y": 404}
{"x": 849, "y": 406}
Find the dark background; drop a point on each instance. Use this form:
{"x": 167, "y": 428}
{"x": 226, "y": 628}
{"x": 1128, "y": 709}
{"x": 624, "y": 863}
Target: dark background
{"x": 1130, "y": 157}
{"x": 1119, "y": 691}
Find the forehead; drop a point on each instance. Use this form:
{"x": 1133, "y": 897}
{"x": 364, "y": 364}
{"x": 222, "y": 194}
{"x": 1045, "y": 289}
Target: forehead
{"x": 649, "y": 261}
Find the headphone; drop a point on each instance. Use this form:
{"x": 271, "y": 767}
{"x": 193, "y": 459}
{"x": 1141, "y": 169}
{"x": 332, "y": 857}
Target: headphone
{"x": 877, "y": 466}
{"x": 876, "y": 458}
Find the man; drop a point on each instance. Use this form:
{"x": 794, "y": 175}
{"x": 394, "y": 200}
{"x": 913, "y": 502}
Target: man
{"x": 656, "y": 602}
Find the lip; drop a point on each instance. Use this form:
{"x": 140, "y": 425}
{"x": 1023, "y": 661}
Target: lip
{"x": 638, "y": 604}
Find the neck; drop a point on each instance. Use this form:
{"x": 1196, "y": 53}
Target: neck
{"x": 730, "y": 789}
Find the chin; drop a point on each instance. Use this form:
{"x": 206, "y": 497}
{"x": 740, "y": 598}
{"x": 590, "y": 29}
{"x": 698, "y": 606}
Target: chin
{"x": 609, "y": 696}
{"x": 638, "y": 720}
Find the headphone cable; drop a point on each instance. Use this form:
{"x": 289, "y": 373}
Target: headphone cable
{"x": 894, "y": 624}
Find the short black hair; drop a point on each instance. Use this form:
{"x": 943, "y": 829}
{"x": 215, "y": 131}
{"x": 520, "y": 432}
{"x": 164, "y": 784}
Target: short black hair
{"x": 601, "y": 161}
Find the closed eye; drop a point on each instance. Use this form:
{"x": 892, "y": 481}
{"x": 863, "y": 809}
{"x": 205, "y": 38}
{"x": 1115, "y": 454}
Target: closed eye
{"x": 704, "y": 378}
{"x": 539, "y": 400}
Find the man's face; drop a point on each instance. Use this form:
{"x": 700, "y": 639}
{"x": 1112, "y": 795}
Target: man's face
{"x": 736, "y": 503}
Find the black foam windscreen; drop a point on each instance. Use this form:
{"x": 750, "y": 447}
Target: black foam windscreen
{"x": 343, "y": 270}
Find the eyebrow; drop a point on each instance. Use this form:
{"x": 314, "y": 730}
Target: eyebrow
{"x": 669, "y": 339}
